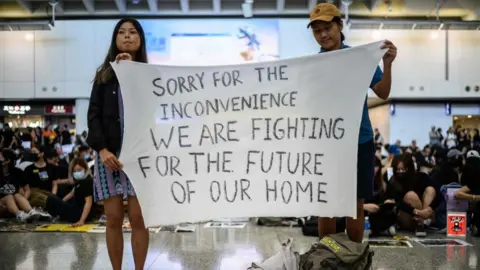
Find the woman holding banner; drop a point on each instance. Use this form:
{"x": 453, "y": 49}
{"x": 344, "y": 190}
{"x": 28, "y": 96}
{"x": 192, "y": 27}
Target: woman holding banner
{"x": 105, "y": 124}
{"x": 327, "y": 25}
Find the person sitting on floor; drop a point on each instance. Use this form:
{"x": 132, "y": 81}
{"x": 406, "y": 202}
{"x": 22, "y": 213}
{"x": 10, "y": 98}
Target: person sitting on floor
{"x": 11, "y": 181}
{"x": 53, "y": 159}
{"x": 40, "y": 176}
{"x": 470, "y": 189}
{"x": 76, "y": 206}
{"x": 85, "y": 152}
{"x": 380, "y": 209}
{"x": 62, "y": 180}
{"x": 414, "y": 194}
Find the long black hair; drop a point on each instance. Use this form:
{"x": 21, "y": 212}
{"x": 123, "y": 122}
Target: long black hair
{"x": 408, "y": 179}
{"x": 10, "y": 156}
{"x": 105, "y": 71}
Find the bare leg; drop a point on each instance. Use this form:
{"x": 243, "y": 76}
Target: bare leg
{"x": 412, "y": 199}
{"x": 428, "y": 196}
{"x": 22, "y": 203}
{"x": 355, "y": 227}
{"x": 115, "y": 214}
{"x": 406, "y": 219}
{"x": 326, "y": 226}
{"x": 9, "y": 201}
{"x": 140, "y": 235}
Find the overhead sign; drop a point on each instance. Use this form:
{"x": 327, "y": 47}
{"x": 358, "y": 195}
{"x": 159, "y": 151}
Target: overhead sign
{"x": 16, "y": 109}
{"x": 271, "y": 139}
{"x": 58, "y": 109}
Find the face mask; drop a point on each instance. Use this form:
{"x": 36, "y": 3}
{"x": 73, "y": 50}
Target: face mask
{"x": 78, "y": 175}
{"x": 401, "y": 176}
{"x": 86, "y": 156}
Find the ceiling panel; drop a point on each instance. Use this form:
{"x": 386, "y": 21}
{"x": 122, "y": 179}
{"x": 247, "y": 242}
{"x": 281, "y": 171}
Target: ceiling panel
{"x": 383, "y": 10}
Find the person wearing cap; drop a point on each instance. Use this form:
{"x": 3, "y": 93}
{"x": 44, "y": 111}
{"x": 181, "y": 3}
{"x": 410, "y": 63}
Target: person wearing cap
{"x": 470, "y": 177}
{"x": 470, "y": 189}
{"x": 327, "y": 26}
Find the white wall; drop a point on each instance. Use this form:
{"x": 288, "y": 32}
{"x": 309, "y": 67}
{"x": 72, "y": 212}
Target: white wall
{"x": 413, "y": 121}
{"x": 296, "y": 39}
{"x": 81, "y": 108}
{"x": 380, "y": 118}
{"x": 61, "y": 63}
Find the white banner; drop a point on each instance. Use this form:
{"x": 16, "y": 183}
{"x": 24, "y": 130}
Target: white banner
{"x": 269, "y": 139}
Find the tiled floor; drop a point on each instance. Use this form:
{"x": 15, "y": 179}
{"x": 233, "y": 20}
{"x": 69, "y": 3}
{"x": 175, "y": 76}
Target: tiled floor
{"x": 206, "y": 248}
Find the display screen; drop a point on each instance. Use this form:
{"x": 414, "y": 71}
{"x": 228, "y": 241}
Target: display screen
{"x": 211, "y": 42}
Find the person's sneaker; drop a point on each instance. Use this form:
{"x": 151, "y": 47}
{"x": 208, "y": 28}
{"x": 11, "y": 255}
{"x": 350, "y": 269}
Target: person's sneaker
{"x": 391, "y": 231}
{"x": 22, "y": 216}
{"x": 45, "y": 216}
{"x": 420, "y": 231}
{"x": 474, "y": 230}
{"x": 427, "y": 222}
{"x": 42, "y": 215}
{"x": 35, "y": 215}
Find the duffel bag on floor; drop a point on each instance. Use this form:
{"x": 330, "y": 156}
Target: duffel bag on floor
{"x": 336, "y": 251}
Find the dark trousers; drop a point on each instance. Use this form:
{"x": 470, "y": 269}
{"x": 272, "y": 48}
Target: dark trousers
{"x": 67, "y": 211}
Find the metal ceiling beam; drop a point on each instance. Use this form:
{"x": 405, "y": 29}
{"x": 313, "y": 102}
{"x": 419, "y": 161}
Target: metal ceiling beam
{"x": 59, "y": 7}
{"x": 280, "y": 5}
{"x": 184, "y": 5}
{"x": 217, "y": 6}
{"x": 312, "y": 4}
{"x": 25, "y": 5}
{"x": 374, "y": 4}
{"x": 121, "y": 5}
{"x": 152, "y": 5}
{"x": 89, "y": 5}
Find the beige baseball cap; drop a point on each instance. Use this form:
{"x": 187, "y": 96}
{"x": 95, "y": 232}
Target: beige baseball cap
{"x": 324, "y": 12}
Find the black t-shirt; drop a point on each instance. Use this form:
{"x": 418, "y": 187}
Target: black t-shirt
{"x": 10, "y": 183}
{"x": 41, "y": 177}
{"x": 474, "y": 187}
{"x": 66, "y": 138}
{"x": 471, "y": 178}
{"x": 7, "y": 138}
{"x": 61, "y": 171}
{"x": 83, "y": 189}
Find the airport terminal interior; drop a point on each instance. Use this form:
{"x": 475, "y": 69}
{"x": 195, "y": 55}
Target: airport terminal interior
{"x": 99, "y": 152}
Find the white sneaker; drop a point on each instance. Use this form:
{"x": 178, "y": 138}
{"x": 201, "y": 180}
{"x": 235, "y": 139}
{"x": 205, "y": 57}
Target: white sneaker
{"x": 33, "y": 215}
{"x": 392, "y": 231}
{"x": 42, "y": 215}
{"x": 427, "y": 222}
{"x": 22, "y": 216}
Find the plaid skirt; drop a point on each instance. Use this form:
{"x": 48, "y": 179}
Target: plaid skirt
{"x": 108, "y": 184}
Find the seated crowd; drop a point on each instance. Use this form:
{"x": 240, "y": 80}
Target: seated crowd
{"x": 43, "y": 183}
{"x": 411, "y": 184}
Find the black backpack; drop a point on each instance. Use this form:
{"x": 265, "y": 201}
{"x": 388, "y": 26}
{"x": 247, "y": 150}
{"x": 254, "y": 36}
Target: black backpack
{"x": 310, "y": 225}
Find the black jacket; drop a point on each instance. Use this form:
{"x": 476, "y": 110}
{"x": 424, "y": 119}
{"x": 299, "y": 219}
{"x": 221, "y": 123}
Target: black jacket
{"x": 104, "y": 129}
